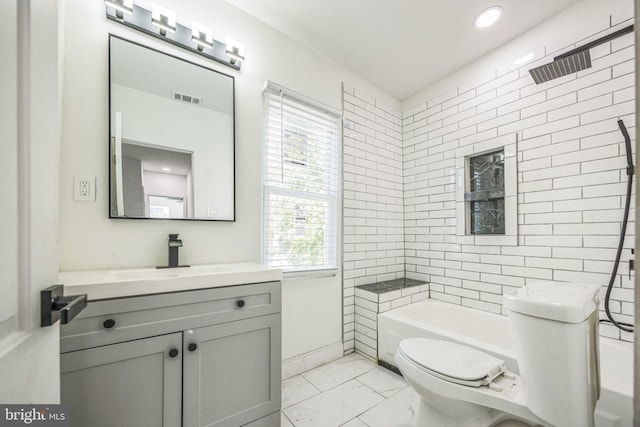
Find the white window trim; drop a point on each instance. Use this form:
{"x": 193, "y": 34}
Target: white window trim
{"x": 274, "y": 87}
{"x": 311, "y": 274}
{"x": 318, "y": 272}
{"x": 510, "y": 237}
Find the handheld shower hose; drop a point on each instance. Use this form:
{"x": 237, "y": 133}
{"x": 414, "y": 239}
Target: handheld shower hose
{"x": 630, "y": 170}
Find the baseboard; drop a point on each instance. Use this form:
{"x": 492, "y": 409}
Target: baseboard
{"x": 299, "y": 364}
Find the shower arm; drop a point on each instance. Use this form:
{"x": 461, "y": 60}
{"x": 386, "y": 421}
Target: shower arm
{"x": 595, "y": 43}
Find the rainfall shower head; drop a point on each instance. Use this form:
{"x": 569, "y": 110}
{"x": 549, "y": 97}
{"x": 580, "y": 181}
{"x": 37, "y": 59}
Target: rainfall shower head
{"x": 573, "y": 61}
{"x": 561, "y": 67}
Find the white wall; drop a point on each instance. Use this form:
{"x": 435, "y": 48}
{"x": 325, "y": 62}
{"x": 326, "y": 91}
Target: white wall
{"x": 571, "y": 165}
{"x": 165, "y": 184}
{"x": 90, "y": 240}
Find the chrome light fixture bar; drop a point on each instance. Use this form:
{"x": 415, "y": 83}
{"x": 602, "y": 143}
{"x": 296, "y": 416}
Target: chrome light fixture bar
{"x": 202, "y": 36}
{"x": 164, "y": 19}
{"x": 121, "y": 7}
{"x": 235, "y": 51}
{"x": 162, "y": 25}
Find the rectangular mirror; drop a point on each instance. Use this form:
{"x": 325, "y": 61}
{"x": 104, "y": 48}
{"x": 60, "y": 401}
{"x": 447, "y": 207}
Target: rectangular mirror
{"x": 172, "y": 137}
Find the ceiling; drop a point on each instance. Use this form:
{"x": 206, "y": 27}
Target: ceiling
{"x": 400, "y": 46}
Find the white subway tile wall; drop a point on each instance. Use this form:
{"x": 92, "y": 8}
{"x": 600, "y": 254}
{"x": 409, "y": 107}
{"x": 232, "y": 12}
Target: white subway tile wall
{"x": 373, "y": 203}
{"x": 399, "y": 185}
{"x": 571, "y": 181}
{"x": 367, "y": 307}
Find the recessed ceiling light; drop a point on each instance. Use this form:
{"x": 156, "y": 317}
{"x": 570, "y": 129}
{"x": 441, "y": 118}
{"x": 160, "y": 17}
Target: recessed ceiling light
{"x": 528, "y": 57}
{"x": 166, "y": 169}
{"x": 488, "y": 17}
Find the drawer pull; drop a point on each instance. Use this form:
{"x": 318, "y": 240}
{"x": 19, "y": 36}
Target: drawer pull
{"x": 192, "y": 347}
{"x": 173, "y": 352}
{"x": 109, "y": 323}
{"x": 240, "y": 303}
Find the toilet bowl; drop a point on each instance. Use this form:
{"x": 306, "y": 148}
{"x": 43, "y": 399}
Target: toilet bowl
{"x": 555, "y": 327}
{"x": 447, "y": 401}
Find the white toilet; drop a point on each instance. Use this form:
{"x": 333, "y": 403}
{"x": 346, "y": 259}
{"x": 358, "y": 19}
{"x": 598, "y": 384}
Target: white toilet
{"x": 555, "y": 327}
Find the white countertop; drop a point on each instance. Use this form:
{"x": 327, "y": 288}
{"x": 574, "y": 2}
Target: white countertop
{"x": 107, "y": 284}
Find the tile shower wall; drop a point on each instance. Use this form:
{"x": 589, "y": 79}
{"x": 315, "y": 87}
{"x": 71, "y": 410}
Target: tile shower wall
{"x": 369, "y": 304}
{"x": 373, "y": 205}
{"x": 571, "y": 180}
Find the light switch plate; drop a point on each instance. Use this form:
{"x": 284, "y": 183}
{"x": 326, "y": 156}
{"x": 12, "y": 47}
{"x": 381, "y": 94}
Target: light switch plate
{"x": 84, "y": 188}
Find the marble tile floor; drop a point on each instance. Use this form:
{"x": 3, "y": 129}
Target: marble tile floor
{"x": 349, "y": 392}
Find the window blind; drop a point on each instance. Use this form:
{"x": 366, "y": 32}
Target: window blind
{"x": 301, "y": 170}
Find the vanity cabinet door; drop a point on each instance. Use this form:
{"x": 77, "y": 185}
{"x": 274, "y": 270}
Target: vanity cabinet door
{"x": 135, "y": 383}
{"x": 232, "y": 372}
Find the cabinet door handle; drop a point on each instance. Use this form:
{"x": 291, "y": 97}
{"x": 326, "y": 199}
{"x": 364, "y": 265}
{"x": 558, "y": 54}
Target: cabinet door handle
{"x": 193, "y": 347}
{"x": 240, "y": 303}
{"x": 173, "y": 352}
{"x": 109, "y": 323}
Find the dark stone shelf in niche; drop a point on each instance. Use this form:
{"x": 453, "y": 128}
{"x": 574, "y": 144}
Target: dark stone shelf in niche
{"x": 391, "y": 285}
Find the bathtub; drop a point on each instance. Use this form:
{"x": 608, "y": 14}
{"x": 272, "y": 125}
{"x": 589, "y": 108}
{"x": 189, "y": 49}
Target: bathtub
{"x": 492, "y": 333}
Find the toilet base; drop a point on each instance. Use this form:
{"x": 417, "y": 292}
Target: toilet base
{"x": 511, "y": 423}
{"x": 472, "y": 416}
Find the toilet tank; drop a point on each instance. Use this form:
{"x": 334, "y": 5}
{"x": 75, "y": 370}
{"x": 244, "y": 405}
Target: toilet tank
{"x": 555, "y": 328}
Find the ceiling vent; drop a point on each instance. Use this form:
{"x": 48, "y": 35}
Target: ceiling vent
{"x": 189, "y": 99}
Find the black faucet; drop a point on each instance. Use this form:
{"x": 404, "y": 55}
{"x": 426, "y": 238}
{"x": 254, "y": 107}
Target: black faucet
{"x": 174, "y": 245}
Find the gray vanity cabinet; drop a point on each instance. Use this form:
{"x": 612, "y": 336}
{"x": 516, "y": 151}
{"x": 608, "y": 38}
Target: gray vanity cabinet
{"x": 232, "y": 372}
{"x": 135, "y": 383}
{"x": 208, "y": 357}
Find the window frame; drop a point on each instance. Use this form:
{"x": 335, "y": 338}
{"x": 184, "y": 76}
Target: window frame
{"x": 332, "y": 254}
{"x": 508, "y": 143}
{"x": 472, "y": 197}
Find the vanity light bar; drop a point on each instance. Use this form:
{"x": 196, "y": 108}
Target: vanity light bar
{"x": 161, "y": 25}
{"x": 164, "y": 19}
{"x": 121, "y": 7}
{"x": 202, "y": 36}
{"x": 235, "y": 50}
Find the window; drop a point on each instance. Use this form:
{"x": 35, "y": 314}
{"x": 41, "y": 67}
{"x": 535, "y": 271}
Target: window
{"x": 301, "y": 169}
{"x": 486, "y": 192}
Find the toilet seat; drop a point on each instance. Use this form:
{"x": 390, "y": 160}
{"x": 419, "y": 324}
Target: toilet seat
{"x": 508, "y": 397}
{"x": 454, "y": 362}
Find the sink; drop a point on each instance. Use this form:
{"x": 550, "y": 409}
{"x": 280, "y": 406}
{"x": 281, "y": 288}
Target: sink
{"x": 119, "y": 283}
{"x": 209, "y": 269}
{"x": 160, "y": 273}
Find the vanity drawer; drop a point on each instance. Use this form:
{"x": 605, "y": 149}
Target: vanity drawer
{"x": 123, "y": 319}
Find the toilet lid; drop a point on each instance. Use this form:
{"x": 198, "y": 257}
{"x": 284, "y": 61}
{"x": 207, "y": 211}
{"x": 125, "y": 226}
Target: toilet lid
{"x": 452, "y": 360}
